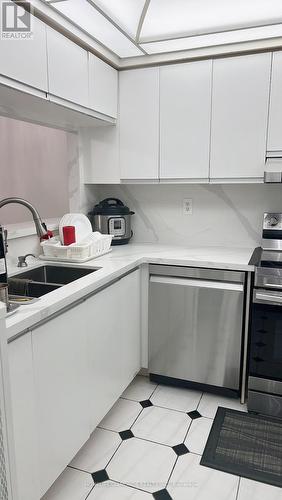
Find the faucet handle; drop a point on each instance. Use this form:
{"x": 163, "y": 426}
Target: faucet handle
{"x": 6, "y": 240}
{"x": 22, "y": 259}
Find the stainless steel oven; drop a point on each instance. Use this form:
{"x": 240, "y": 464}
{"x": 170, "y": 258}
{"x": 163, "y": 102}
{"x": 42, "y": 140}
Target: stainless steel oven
{"x": 265, "y": 370}
{"x": 265, "y": 350}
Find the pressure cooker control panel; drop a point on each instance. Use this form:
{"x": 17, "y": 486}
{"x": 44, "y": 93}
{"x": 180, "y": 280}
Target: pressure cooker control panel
{"x": 117, "y": 226}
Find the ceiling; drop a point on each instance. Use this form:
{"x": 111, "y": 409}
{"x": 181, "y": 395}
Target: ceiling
{"x": 132, "y": 28}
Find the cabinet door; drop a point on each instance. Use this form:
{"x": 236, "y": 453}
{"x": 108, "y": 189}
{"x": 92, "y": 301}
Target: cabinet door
{"x": 60, "y": 374}
{"x": 25, "y": 60}
{"x": 139, "y": 123}
{"x": 130, "y": 307}
{"x": 113, "y": 328}
{"x": 275, "y": 111}
{"x": 185, "y": 113}
{"x": 103, "y": 87}
{"x": 239, "y": 116}
{"x": 67, "y": 69}
{"x": 24, "y": 417}
{"x": 104, "y": 351}
{"x": 99, "y": 154}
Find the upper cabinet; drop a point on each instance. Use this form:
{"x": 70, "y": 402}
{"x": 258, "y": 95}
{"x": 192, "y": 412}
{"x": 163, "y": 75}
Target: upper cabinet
{"x": 239, "y": 117}
{"x": 103, "y": 87}
{"x": 25, "y": 60}
{"x": 185, "y": 112}
{"x": 67, "y": 68}
{"x": 139, "y": 124}
{"x": 275, "y": 111}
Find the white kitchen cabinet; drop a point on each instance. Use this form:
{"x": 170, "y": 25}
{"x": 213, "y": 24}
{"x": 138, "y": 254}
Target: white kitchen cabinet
{"x": 139, "y": 124}
{"x": 60, "y": 374}
{"x": 275, "y": 111}
{"x": 185, "y": 114}
{"x": 103, "y": 87}
{"x": 113, "y": 319}
{"x": 99, "y": 154}
{"x": 25, "y": 60}
{"x": 24, "y": 417}
{"x": 67, "y": 69}
{"x": 130, "y": 306}
{"x": 239, "y": 117}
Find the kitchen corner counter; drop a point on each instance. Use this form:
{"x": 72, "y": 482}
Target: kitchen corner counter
{"x": 121, "y": 260}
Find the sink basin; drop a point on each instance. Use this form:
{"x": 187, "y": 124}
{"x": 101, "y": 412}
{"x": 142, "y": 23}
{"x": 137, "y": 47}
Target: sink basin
{"x": 60, "y": 275}
{"x": 41, "y": 280}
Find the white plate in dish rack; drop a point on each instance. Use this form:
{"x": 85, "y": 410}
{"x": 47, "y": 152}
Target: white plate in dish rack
{"x": 82, "y": 224}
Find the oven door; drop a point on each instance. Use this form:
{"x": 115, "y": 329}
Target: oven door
{"x": 266, "y": 335}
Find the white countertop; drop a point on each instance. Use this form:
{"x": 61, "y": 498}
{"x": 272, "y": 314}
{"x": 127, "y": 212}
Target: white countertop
{"x": 113, "y": 265}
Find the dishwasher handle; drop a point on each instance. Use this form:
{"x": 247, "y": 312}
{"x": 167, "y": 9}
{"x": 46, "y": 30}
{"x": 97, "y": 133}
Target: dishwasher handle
{"x": 197, "y": 283}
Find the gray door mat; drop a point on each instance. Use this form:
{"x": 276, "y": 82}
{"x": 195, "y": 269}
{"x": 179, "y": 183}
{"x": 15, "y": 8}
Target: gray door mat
{"x": 246, "y": 445}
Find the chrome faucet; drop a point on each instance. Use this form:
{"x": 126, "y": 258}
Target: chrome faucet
{"x": 22, "y": 259}
{"x": 41, "y": 228}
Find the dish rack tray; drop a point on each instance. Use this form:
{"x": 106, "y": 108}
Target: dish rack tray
{"x": 53, "y": 250}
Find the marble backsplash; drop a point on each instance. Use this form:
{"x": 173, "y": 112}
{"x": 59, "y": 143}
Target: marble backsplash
{"x": 229, "y": 215}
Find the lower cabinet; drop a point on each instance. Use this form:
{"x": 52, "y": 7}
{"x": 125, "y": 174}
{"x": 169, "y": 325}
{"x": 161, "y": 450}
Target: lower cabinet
{"x": 130, "y": 326}
{"x": 60, "y": 378}
{"x": 113, "y": 343}
{"x": 66, "y": 375}
{"x": 24, "y": 418}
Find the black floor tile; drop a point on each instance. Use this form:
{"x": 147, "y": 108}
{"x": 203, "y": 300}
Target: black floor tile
{"x": 126, "y": 434}
{"x": 100, "y": 476}
{"x": 194, "y": 414}
{"x": 162, "y": 495}
{"x": 180, "y": 449}
{"x": 146, "y": 403}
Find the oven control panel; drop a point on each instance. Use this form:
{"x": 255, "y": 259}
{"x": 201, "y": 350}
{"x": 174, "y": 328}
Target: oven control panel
{"x": 272, "y": 221}
{"x": 272, "y": 226}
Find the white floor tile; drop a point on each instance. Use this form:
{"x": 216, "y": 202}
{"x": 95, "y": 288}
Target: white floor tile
{"x": 140, "y": 389}
{"x": 176, "y": 398}
{"x": 142, "y": 464}
{"x": 192, "y": 481}
{"x": 71, "y": 485}
{"x": 210, "y": 402}
{"x": 253, "y": 490}
{"x": 114, "y": 491}
{"x": 198, "y": 435}
{"x": 121, "y": 416}
{"x": 162, "y": 425}
{"x": 97, "y": 451}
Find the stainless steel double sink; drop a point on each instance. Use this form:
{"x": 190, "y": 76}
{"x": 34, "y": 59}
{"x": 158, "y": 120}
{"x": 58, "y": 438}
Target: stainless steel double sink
{"x": 41, "y": 280}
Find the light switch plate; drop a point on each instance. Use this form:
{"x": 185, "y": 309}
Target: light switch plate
{"x": 187, "y": 206}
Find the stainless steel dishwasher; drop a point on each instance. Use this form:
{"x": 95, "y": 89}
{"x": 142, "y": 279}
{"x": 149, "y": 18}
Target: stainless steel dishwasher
{"x": 195, "y": 325}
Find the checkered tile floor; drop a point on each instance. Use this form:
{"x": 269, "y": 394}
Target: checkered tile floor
{"x": 149, "y": 447}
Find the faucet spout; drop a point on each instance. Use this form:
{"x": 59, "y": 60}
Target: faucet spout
{"x": 41, "y": 228}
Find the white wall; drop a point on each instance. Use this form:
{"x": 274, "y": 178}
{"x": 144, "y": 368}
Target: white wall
{"x": 228, "y": 215}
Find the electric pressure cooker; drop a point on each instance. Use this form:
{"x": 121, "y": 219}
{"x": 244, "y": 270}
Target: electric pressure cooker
{"x": 111, "y": 216}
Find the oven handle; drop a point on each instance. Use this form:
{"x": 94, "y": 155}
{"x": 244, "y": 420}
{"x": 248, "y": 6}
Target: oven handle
{"x": 271, "y": 285}
{"x": 260, "y": 297}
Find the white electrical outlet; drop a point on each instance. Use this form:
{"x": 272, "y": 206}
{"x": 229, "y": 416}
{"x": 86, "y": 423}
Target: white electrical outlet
{"x": 187, "y": 206}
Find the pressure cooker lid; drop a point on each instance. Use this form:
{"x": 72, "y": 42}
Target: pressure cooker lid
{"x": 111, "y": 206}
